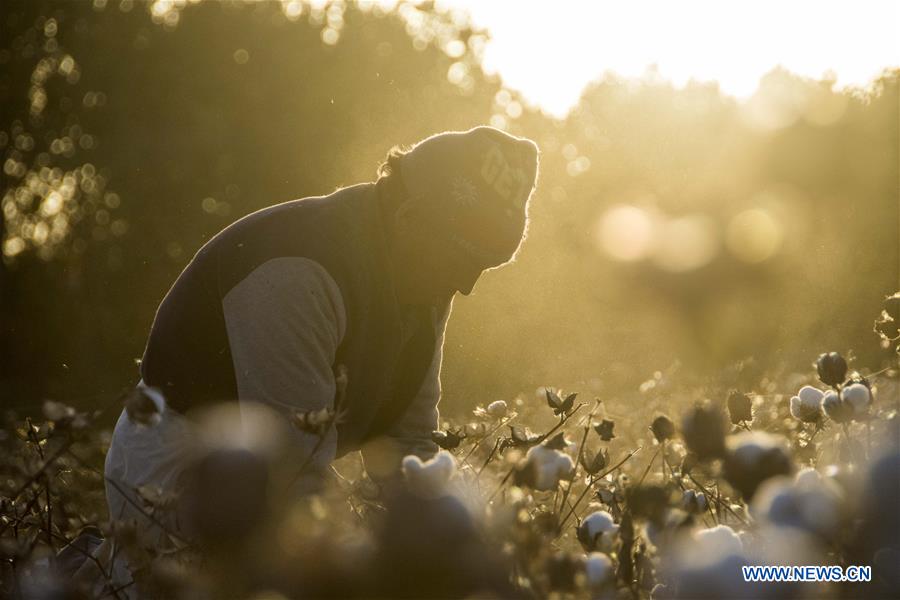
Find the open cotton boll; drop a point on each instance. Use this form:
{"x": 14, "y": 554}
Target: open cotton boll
{"x": 497, "y": 408}
{"x": 720, "y": 540}
{"x": 810, "y": 502}
{"x": 599, "y": 570}
{"x": 858, "y": 396}
{"x": 707, "y": 564}
{"x": 807, "y": 404}
{"x": 597, "y": 531}
{"x": 544, "y": 467}
{"x": 836, "y": 409}
{"x": 429, "y": 478}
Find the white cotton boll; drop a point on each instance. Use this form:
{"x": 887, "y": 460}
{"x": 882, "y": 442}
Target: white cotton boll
{"x": 497, "y": 408}
{"x": 598, "y": 531}
{"x": 599, "y": 570}
{"x": 547, "y": 466}
{"x": 810, "y": 502}
{"x": 834, "y": 407}
{"x": 719, "y": 541}
{"x": 707, "y": 564}
{"x": 675, "y": 453}
{"x": 429, "y": 478}
{"x": 857, "y": 395}
{"x": 807, "y": 404}
{"x": 810, "y": 395}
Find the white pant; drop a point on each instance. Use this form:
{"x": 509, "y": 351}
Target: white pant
{"x": 139, "y": 456}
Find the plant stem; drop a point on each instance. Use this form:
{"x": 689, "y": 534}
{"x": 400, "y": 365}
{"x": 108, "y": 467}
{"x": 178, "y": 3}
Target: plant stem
{"x": 849, "y": 443}
{"x": 649, "y": 465}
{"x": 577, "y": 462}
{"x": 594, "y": 479}
{"x": 478, "y": 442}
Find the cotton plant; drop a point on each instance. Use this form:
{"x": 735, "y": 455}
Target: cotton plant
{"x": 599, "y": 572}
{"x": 846, "y": 403}
{"x": 684, "y": 534}
{"x": 858, "y": 397}
{"x": 753, "y": 457}
{"x": 430, "y": 478}
{"x": 498, "y": 409}
{"x": 835, "y": 408}
{"x": 694, "y": 502}
{"x": 831, "y": 368}
{"x": 543, "y": 468}
{"x": 806, "y": 406}
{"x": 851, "y": 402}
{"x": 597, "y": 532}
{"x": 809, "y": 502}
{"x": 720, "y": 540}
{"x": 704, "y": 563}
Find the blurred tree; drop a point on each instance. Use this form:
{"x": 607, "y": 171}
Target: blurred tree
{"x": 206, "y": 116}
{"x": 133, "y": 131}
{"x": 802, "y": 173}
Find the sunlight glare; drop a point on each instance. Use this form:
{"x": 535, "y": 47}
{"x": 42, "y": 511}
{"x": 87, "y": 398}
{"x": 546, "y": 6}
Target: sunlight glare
{"x": 754, "y": 236}
{"x": 549, "y": 52}
{"x": 626, "y": 233}
{"x": 686, "y": 243}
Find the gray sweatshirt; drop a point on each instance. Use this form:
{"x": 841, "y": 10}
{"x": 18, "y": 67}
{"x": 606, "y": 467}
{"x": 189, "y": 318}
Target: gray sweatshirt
{"x": 285, "y": 321}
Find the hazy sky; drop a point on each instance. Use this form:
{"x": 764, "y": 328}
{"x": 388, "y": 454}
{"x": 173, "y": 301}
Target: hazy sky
{"x": 550, "y": 50}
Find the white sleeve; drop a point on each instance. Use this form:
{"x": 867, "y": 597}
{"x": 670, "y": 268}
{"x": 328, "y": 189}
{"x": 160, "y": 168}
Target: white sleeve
{"x": 285, "y": 321}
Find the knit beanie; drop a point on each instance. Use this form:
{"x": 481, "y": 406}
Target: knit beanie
{"x": 476, "y": 185}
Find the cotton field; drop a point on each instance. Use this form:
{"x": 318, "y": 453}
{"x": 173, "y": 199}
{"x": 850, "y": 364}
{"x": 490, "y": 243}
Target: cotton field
{"x": 665, "y": 492}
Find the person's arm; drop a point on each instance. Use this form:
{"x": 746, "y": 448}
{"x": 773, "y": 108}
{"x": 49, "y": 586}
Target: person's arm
{"x": 411, "y": 434}
{"x": 285, "y": 321}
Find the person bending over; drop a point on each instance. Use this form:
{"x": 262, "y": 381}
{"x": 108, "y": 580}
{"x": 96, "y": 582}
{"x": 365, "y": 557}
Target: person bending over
{"x": 336, "y": 302}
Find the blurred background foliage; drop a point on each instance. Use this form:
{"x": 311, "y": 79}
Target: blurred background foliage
{"x": 670, "y": 225}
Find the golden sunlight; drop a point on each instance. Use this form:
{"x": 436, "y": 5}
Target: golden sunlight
{"x": 550, "y": 55}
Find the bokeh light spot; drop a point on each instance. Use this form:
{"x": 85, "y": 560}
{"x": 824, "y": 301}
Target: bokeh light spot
{"x": 686, "y": 243}
{"x": 754, "y": 236}
{"x": 626, "y": 233}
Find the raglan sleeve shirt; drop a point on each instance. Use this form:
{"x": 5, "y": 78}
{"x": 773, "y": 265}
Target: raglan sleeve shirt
{"x": 285, "y": 321}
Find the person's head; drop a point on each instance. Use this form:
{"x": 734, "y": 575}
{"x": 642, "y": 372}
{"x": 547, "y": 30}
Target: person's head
{"x": 456, "y": 205}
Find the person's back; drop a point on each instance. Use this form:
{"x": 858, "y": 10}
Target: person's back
{"x": 331, "y": 306}
{"x": 188, "y": 356}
